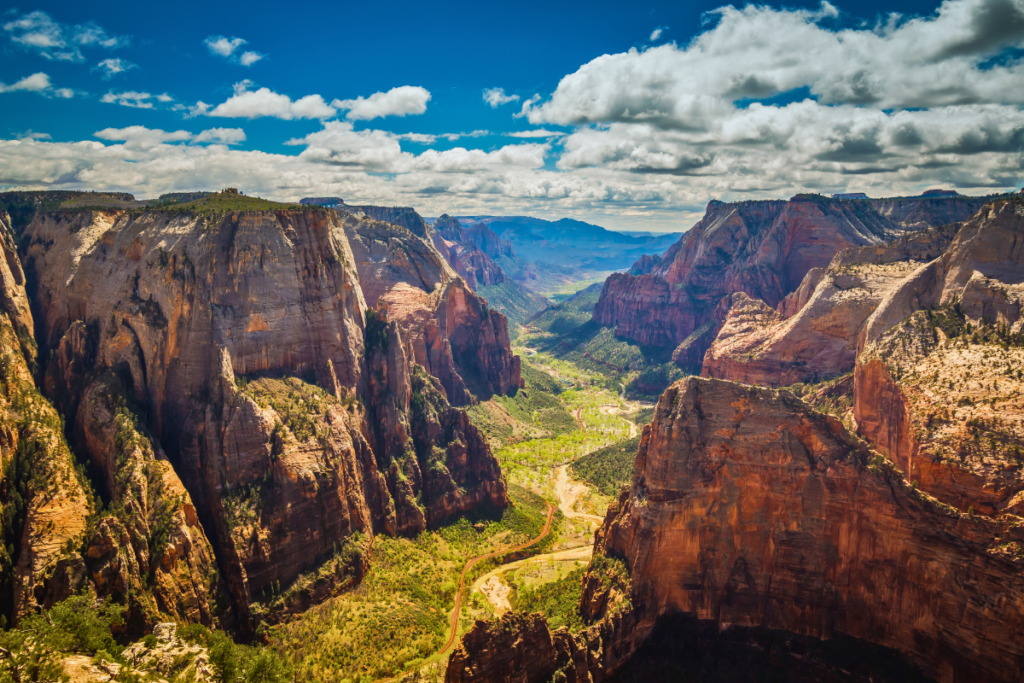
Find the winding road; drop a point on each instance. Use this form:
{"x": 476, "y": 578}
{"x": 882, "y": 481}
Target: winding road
{"x": 481, "y": 558}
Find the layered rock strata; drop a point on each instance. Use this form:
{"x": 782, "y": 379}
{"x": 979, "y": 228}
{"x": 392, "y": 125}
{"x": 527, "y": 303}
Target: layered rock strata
{"x": 814, "y": 333}
{"x": 938, "y": 379}
{"x": 462, "y": 253}
{"x": 240, "y": 341}
{"x": 747, "y": 508}
{"x": 451, "y": 330}
{"x": 763, "y": 249}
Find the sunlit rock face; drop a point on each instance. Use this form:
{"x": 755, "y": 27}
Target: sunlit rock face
{"x": 240, "y": 342}
{"x": 761, "y": 248}
{"x": 750, "y": 510}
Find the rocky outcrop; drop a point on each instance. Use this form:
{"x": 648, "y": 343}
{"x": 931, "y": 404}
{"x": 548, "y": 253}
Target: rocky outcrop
{"x": 488, "y": 241}
{"x": 13, "y": 298}
{"x": 796, "y": 527}
{"x": 46, "y": 501}
{"x": 748, "y": 509}
{"x": 518, "y": 648}
{"x": 461, "y": 252}
{"x": 763, "y": 249}
{"x": 451, "y": 331}
{"x": 937, "y": 385}
{"x": 153, "y": 541}
{"x": 645, "y": 264}
{"x": 239, "y": 342}
{"x": 814, "y": 334}
{"x": 403, "y": 216}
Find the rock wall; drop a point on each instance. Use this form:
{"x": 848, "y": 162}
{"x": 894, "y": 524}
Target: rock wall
{"x": 936, "y": 383}
{"x": 460, "y": 250}
{"x": 763, "y": 249}
{"x": 452, "y": 332}
{"x": 814, "y": 335}
{"x": 239, "y": 342}
{"x": 749, "y": 509}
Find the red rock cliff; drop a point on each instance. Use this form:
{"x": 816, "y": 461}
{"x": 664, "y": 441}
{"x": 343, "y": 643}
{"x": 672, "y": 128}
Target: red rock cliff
{"x": 763, "y": 249}
{"x": 747, "y": 508}
{"x": 240, "y": 339}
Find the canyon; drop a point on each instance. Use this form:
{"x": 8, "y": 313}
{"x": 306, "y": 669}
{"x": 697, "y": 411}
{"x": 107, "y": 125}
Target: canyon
{"x": 883, "y": 512}
{"x": 214, "y": 409}
{"x": 258, "y": 392}
{"x": 763, "y": 249}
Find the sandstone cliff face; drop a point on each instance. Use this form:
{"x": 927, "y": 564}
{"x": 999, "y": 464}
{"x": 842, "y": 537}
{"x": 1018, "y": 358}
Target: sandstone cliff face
{"x": 747, "y": 508}
{"x": 814, "y": 334}
{"x": 13, "y": 298}
{"x": 764, "y": 249}
{"x": 451, "y": 331}
{"x": 488, "y": 241}
{"x": 239, "y": 338}
{"x": 462, "y": 253}
{"x": 154, "y": 538}
{"x": 45, "y": 500}
{"x": 396, "y": 215}
{"x": 937, "y": 383}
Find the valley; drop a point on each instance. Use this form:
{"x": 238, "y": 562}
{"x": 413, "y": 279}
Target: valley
{"x": 396, "y": 624}
{"x": 373, "y": 475}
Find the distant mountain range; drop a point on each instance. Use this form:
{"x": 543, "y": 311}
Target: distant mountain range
{"x": 569, "y": 243}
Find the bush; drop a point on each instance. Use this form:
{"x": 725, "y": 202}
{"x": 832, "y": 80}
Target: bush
{"x": 36, "y": 648}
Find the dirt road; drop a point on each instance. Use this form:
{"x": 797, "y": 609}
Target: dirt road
{"x": 497, "y": 591}
{"x": 567, "y": 491}
{"x": 454, "y": 622}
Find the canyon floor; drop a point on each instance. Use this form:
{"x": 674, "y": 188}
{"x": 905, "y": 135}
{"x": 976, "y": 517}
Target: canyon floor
{"x": 396, "y": 625}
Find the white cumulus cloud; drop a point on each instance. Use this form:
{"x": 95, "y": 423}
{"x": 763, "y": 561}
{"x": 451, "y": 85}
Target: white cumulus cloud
{"x": 497, "y": 97}
{"x": 113, "y": 66}
{"x": 250, "y": 58}
{"x": 538, "y": 133}
{"x": 225, "y": 47}
{"x": 656, "y": 33}
{"x": 129, "y": 98}
{"x": 37, "y": 83}
{"x": 758, "y": 52}
{"x": 401, "y": 101}
{"x": 223, "y": 136}
{"x": 228, "y": 48}
{"x": 251, "y": 104}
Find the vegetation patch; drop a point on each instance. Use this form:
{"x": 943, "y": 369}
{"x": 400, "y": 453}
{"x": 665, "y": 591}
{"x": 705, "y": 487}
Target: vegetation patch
{"x": 398, "y": 615}
{"x": 608, "y": 469}
{"x": 557, "y": 600}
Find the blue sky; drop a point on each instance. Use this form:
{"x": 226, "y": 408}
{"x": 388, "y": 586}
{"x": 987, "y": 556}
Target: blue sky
{"x": 635, "y": 127}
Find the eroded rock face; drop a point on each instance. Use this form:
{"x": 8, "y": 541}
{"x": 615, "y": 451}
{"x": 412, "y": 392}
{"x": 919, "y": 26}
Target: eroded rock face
{"x": 815, "y": 332}
{"x": 45, "y": 497}
{"x": 239, "y": 340}
{"x": 747, "y": 508}
{"x": 462, "y": 253}
{"x": 764, "y": 249}
{"x": 13, "y": 298}
{"x": 451, "y": 331}
{"x": 937, "y": 385}
{"x": 155, "y": 539}
{"x": 518, "y": 648}
{"x": 166, "y": 292}
{"x": 45, "y": 501}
